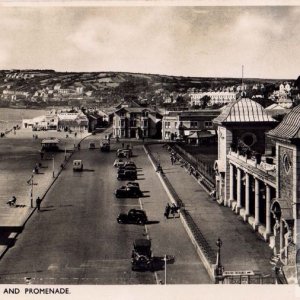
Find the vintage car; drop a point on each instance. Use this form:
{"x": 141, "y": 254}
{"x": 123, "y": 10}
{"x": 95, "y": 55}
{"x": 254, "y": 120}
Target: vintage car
{"x": 141, "y": 255}
{"x": 119, "y": 162}
{"x": 126, "y": 168}
{"x": 127, "y": 175}
{"x": 121, "y": 153}
{"x": 128, "y": 191}
{"x": 104, "y": 145}
{"x": 129, "y": 183}
{"x": 77, "y": 165}
{"x": 134, "y": 216}
{"x": 130, "y": 164}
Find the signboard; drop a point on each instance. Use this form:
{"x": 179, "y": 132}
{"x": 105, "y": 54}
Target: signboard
{"x": 238, "y": 273}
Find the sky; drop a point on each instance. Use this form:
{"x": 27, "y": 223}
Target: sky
{"x": 187, "y": 41}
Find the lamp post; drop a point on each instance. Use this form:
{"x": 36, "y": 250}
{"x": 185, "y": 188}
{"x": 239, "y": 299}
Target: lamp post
{"x": 165, "y": 260}
{"x": 219, "y": 269}
{"x": 53, "y": 166}
{"x": 31, "y": 191}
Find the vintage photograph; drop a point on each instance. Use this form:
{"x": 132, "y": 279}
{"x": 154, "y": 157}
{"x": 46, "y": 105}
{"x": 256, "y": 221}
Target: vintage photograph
{"x": 148, "y": 145}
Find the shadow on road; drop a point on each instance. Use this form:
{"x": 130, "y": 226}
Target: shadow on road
{"x": 152, "y": 222}
{"x": 88, "y": 170}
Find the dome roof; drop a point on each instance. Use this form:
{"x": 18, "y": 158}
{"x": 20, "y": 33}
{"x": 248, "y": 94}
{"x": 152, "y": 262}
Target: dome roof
{"x": 243, "y": 110}
{"x": 289, "y": 128}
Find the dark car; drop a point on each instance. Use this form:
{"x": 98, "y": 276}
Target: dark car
{"x": 141, "y": 255}
{"x": 126, "y": 168}
{"x": 130, "y": 163}
{"x": 129, "y": 183}
{"x": 134, "y": 216}
{"x": 127, "y": 175}
{"x": 128, "y": 191}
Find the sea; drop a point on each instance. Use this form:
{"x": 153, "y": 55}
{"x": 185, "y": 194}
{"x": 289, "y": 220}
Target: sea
{"x": 10, "y": 117}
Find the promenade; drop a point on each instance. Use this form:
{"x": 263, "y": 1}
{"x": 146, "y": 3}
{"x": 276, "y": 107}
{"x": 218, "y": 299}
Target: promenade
{"x": 242, "y": 249}
{"x": 20, "y": 153}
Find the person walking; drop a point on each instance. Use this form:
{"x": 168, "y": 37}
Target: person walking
{"x": 167, "y": 211}
{"x": 38, "y": 203}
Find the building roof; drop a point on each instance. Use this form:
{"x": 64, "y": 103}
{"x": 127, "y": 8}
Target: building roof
{"x": 289, "y": 128}
{"x": 243, "y": 110}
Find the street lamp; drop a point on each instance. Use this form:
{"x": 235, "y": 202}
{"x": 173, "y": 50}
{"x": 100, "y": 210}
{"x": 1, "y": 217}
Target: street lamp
{"x": 219, "y": 269}
{"x": 165, "y": 260}
{"x": 53, "y": 166}
{"x": 30, "y": 181}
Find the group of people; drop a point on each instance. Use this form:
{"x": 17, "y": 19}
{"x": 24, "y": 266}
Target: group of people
{"x": 173, "y": 158}
{"x": 171, "y": 209}
{"x": 13, "y": 202}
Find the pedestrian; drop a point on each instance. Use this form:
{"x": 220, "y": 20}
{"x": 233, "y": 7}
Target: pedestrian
{"x": 78, "y": 146}
{"x": 167, "y": 211}
{"x": 122, "y": 145}
{"x": 42, "y": 155}
{"x": 172, "y": 160}
{"x": 62, "y": 166}
{"x": 36, "y": 169}
{"x": 38, "y": 203}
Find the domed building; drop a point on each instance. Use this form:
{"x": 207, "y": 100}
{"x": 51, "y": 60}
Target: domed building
{"x": 257, "y": 171}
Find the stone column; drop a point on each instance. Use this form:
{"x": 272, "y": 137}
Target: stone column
{"x": 230, "y": 184}
{"x": 268, "y": 212}
{"x": 238, "y": 191}
{"x": 256, "y": 202}
{"x": 247, "y": 196}
{"x": 281, "y": 241}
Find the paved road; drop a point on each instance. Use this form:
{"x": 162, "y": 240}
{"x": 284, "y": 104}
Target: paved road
{"x": 75, "y": 239}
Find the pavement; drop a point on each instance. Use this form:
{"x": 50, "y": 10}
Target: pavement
{"x": 20, "y": 154}
{"x": 242, "y": 249}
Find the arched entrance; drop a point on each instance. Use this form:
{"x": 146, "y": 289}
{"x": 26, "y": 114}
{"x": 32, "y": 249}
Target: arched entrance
{"x": 283, "y": 228}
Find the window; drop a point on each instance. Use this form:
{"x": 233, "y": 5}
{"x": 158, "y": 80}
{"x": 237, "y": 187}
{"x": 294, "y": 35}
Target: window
{"x": 145, "y": 123}
{"x": 133, "y": 123}
{"x": 286, "y": 162}
{"x": 194, "y": 124}
{"x": 208, "y": 124}
{"x": 167, "y": 124}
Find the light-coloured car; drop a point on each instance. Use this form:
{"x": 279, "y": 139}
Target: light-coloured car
{"x": 119, "y": 163}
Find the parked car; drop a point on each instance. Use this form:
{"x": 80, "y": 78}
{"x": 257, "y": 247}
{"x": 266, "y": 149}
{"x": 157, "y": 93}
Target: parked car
{"x": 126, "y": 168}
{"x": 130, "y": 164}
{"x": 77, "y": 165}
{"x": 134, "y": 216}
{"x": 128, "y": 191}
{"x": 92, "y": 145}
{"x": 124, "y": 153}
{"x": 119, "y": 162}
{"x": 141, "y": 255}
{"x": 104, "y": 145}
{"x": 127, "y": 175}
{"x": 129, "y": 183}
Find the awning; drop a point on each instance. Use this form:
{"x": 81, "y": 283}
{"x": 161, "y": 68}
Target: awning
{"x": 285, "y": 207}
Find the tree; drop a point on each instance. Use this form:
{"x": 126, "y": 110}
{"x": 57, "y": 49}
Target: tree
{"x": 204, "y": 101}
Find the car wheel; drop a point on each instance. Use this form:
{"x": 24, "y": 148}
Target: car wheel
{"x": 119, "y": 221}
{"x": 140, "y": 222}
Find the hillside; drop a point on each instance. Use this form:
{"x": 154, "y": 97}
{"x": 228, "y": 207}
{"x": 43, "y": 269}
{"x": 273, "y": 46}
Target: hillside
{"x": 114, "y": 86}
